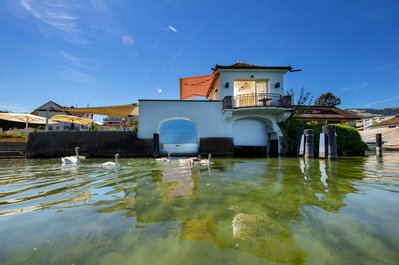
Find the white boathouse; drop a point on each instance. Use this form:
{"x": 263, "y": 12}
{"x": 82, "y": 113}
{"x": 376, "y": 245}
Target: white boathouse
{"x": 243, "y": 103}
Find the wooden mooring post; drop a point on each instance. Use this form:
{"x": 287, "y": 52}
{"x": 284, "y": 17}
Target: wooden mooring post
{"x": 155, "y": 144}
{"x": 378, "y": 144}
{"x": 302, "y": 146}
{"x": 323, "y": 146}
{"x": 309, "y": 142}
{"x": 331, "y": 141}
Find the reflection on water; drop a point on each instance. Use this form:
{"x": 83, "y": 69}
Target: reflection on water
{"x": 239, "y": 211}
{"x": 178, "y": 181}
{"x": 324, "y": 175}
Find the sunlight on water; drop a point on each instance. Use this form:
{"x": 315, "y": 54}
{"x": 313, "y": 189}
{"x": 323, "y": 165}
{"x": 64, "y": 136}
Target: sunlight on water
{"x": 237, "y": 211}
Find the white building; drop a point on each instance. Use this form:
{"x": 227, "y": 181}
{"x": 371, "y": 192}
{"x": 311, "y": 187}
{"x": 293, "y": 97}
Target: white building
{"x": 53, "y": 109}
{"x": 367, "y": 123}
{"x": 243, "y": 103}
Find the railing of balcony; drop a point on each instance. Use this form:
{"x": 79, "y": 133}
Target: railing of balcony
{"x": 261, "y": 100}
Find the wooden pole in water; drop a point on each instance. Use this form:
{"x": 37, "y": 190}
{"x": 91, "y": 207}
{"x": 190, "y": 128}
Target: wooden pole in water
{"x": 323, "y": 146}
{"x": 331, "y": 138}
{"x": 309, "y": 142}
{"x": 378, "y": 144}
{"x": 155, "y": 144}
{"x": 302, "y": 145}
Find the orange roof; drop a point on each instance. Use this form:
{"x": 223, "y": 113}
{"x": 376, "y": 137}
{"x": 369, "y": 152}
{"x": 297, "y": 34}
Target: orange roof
{"x": 391, "y": 121}
{"x": 197, "y": 86}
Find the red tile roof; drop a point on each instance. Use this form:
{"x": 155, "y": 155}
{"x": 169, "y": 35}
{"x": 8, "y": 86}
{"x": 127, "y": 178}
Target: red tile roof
{"x": 241, "y": 65}
{"x": 391, "y": 121}
{"x": 312, "y": 113}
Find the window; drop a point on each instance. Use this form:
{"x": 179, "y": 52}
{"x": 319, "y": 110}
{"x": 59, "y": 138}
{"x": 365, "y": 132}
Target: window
{"x": 250, "y": 86}
{"x": 251, "y": 93}
{"x": 261, "y": 87}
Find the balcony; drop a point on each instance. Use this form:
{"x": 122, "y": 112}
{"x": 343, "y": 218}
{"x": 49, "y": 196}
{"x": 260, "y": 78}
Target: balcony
{"x": 258, "y": 100}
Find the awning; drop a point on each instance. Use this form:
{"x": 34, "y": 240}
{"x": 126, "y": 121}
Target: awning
{"x": 390, "y": 136}
{"x": 121, "y": 111}
{"x": 71, "y": 119}
{"x": 23, "y": 117}
{"x": 197, "y": 86}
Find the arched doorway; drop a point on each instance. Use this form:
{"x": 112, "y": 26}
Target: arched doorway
{"x": 179, "y": 136}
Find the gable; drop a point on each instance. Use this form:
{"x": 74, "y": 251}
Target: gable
{"x": 49, "y": 105}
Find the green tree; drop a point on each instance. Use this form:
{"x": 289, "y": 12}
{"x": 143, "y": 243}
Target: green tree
{"x": 328, "y": 99}
{"x": 304, "y": 98}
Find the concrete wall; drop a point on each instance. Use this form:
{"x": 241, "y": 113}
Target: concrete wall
{"x": 208, "y": 116}
{"x": 215, "y": 93}
{"x": 10, "y": 146}
{"x": 92, "y": 144}
{"x": 205, "y": 114}
{"x": 12, "y": 149}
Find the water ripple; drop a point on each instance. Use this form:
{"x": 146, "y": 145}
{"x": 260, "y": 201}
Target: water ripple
{"x": 42, "y": 184}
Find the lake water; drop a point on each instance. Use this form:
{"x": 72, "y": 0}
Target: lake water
{"x": 238, "y": 211}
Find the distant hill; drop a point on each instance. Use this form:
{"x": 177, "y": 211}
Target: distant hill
{"x": 374, "y": 112}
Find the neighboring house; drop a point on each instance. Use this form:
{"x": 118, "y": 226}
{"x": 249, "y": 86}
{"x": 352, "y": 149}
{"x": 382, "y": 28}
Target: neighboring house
{"x": 56, "y": 109}
{"x": 325, "y": 115}
{"x": 389, "y": 130}
{"x": 367, "y": 123}
{"x": 388, "y": 123}
{"x": 118, "y": 124}
{"x": 244, "y": 104}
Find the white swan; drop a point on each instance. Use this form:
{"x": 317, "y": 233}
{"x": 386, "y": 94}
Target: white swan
{"x": 190, "y": 161}
{"x": 206, "y": 162}
{"x": 164, "y": 159}
{"x": 72, "y": 160}
{"x": 111, "y": 164}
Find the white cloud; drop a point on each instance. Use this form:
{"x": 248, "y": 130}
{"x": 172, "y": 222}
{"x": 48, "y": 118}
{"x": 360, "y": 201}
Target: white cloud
{"x": 74, "y": 75}
{"x": 356, "y": 87}
{"x": 172, "y": 29}
{"x": 382, "y": 101}
{"x": 83, "y": 62}
{"x": 127, "y": 40}
{"x": 57, "y": 19}
{"x": 99, "y": 5}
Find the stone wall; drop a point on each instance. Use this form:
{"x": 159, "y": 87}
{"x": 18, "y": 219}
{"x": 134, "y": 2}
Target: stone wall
{"x": 91, "y": 143}
{"x": 12, "y": 149}
{"x": 107, "y": 144}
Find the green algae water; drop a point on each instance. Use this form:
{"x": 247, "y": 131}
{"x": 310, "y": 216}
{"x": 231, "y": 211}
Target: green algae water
{"x": 237, "y": 211}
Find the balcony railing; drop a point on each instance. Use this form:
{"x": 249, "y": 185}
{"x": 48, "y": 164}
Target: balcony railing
{"x": 261, "y": 100}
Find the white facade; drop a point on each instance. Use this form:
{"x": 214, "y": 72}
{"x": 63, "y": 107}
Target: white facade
{"x": 229, "y": 76}
{"x": 366, "y": 123}
{"x": 205, "y": 114}
{"x": 247, "y": 126}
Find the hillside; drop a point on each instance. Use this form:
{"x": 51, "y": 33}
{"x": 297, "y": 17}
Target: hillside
{"x": 374, "y": 112}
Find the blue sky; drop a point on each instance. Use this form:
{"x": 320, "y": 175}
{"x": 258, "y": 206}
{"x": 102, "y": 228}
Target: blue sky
{"x": 116, "y": 52}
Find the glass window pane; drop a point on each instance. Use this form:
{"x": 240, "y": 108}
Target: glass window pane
{"x": 261, "y": 87}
